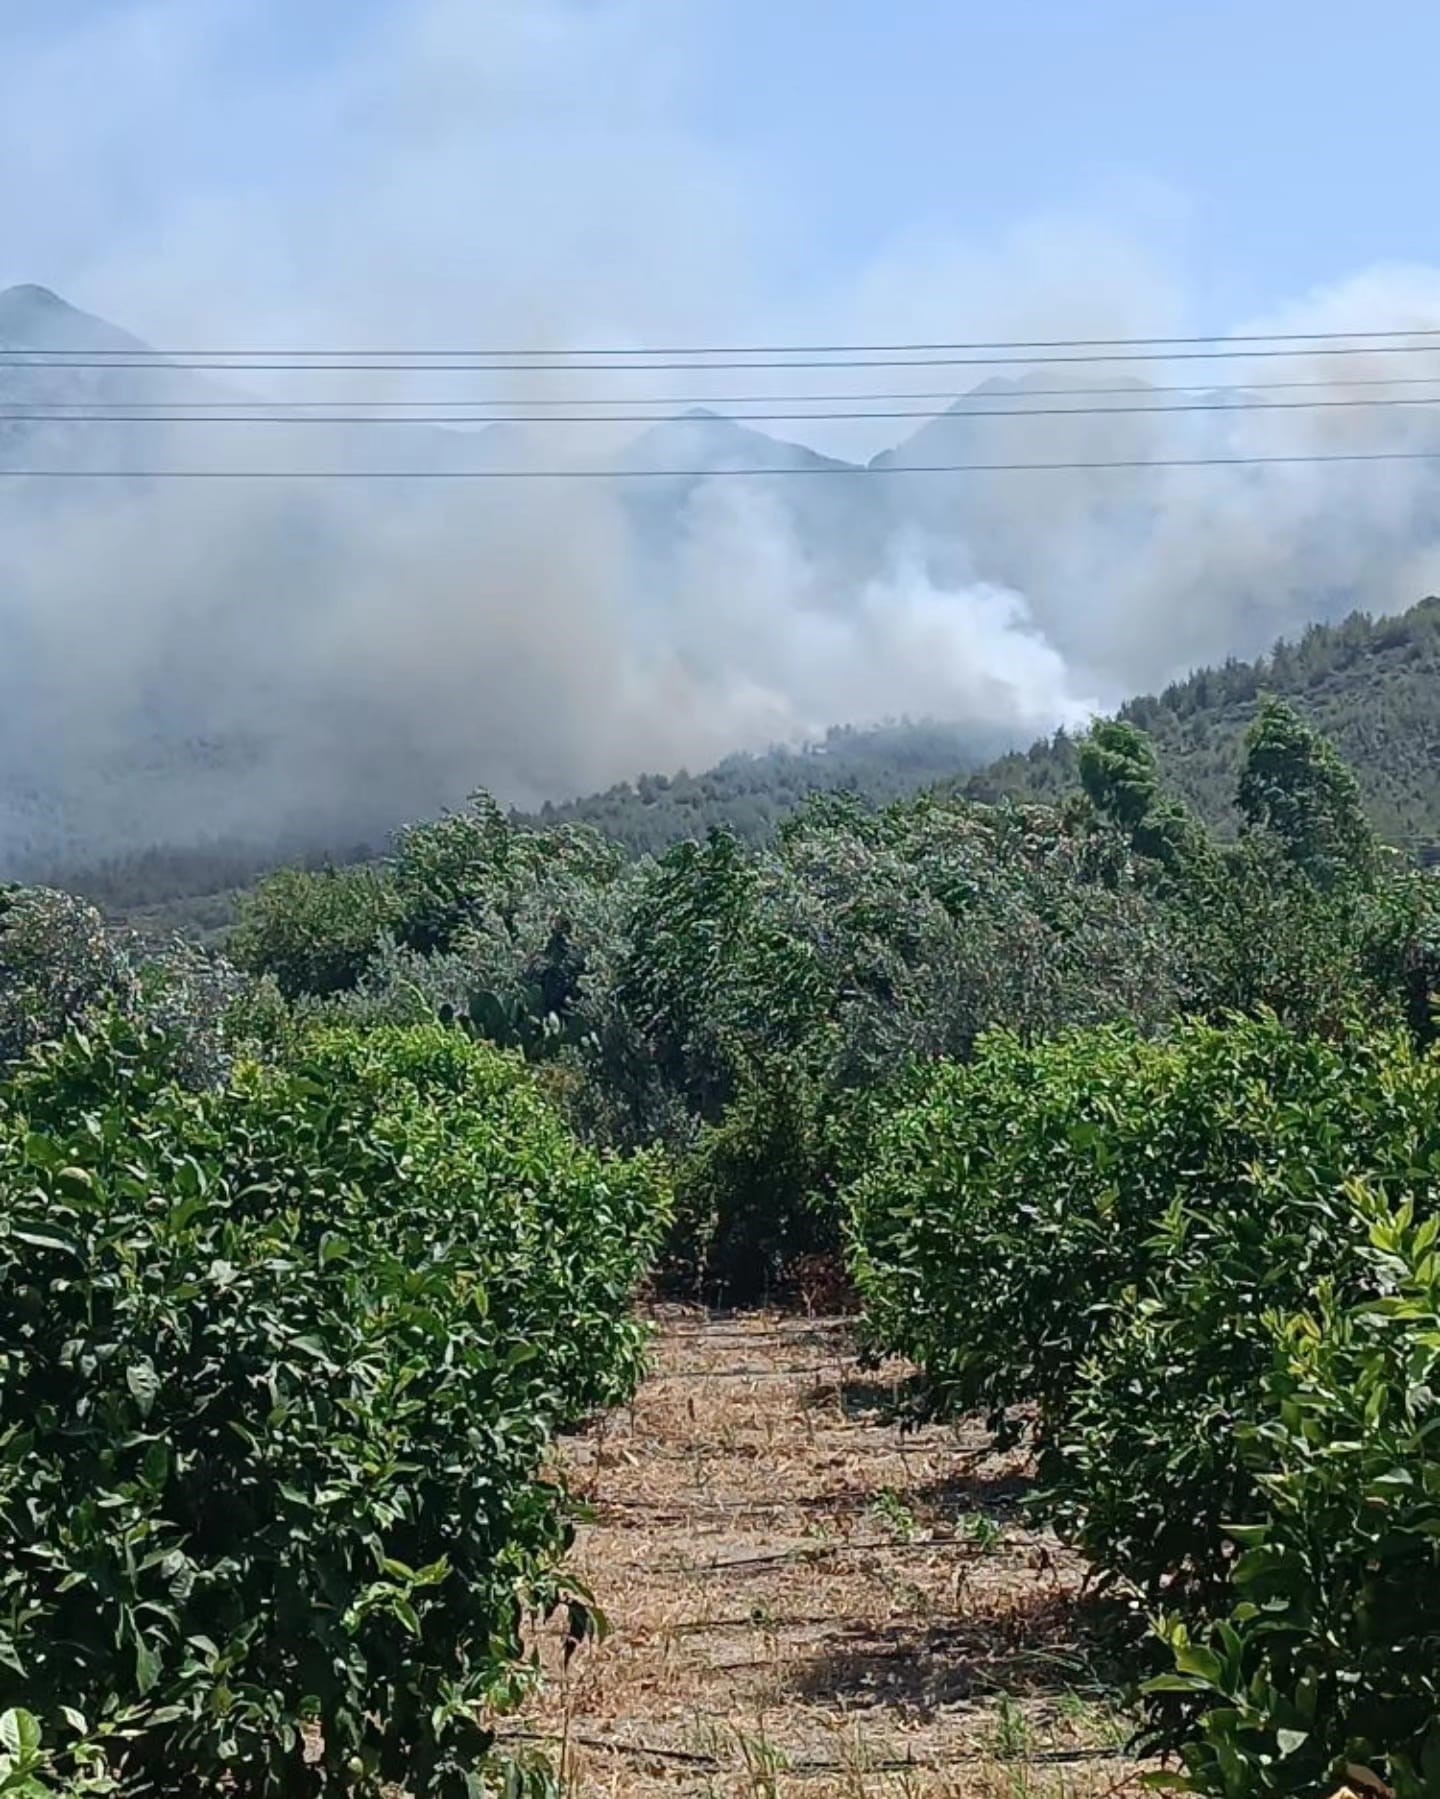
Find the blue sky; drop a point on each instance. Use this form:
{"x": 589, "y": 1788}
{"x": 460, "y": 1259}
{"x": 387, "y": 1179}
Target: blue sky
{"x": 1268, "y": 145}
{"x": 644, "y": 166}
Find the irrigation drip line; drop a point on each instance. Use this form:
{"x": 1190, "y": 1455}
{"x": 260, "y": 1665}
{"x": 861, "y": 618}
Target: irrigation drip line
{"x": 827, "y": 1368}
{"x": 644, "y": 1751}
{"x": 828, "y": 1552}
{"x": 704, "y": 1507}
{"x": 922, "y": 1437}
{"x": 694, "y": 1627}
{"x": 935, "y": 1437}
{"x": 735, "y": 1327}
{"x": 806, "y": 1766}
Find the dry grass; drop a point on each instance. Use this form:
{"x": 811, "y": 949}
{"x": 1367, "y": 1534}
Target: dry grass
{"x": 803, "y": 1600}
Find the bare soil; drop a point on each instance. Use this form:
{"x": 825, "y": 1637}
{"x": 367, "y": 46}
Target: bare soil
{"x": 805, "y": 1599}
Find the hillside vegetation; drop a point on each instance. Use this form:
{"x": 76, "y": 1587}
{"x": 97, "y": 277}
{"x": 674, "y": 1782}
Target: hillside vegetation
{"x": 1123, "y": 1130}
{"x": 752, "y": 795}
{"x": 1372, "y": 685}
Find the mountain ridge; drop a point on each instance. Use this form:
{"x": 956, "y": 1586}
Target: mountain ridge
{"x": 305, "y": 665}
{"x": 35, "y": 317}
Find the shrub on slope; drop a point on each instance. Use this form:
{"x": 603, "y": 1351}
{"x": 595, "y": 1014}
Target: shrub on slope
{"x": 278, "y": 1367}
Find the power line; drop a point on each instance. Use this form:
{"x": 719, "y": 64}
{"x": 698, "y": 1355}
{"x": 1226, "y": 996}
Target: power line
{"x": 1000, "y": 343}
{"x": 705, "y": 474}
{"x": 1130, "y": 390}
{"x": 710, "y": 418}
{"x": 599, "y": 368}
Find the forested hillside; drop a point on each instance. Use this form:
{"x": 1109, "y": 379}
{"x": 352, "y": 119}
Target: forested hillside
{"x": 752, "y": 795}
{"x": 195, "y": 887}
{"x": 1372, "y": 685}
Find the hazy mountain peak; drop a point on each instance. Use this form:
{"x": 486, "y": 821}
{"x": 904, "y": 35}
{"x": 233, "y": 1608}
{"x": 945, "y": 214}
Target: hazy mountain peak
{"x": 704, "y": 439}
{"x": 31, "y": 294}
{"x": 36, "y": 318}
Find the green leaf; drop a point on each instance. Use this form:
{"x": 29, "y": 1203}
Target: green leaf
{"x": 147, "y": 1667}
{"x": 43, "y": 1151}
{"x": 156, "y": 1469}
{"x": 1196, "y": 1659}
{"x": 1174, "y": 1683}
{"x": 313, "y": 1346}
{"x": 144, "y": 1385}
{"x": 28, "y": 1787}
{"x": 20, "y": 1734}
{"x": 43, "y": 1239}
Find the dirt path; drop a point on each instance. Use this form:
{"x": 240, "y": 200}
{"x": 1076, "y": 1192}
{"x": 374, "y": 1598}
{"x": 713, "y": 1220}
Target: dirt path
{"x": 803, "y": 1600}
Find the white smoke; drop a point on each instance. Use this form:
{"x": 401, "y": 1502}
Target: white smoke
{"x": 306, "y": 658}
{"x": 786, "y": 648}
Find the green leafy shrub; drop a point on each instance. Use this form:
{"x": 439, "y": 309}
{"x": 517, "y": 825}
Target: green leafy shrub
{"x": 1016, "y": 1208}
{"x": 865, "y": 944}
{"x": 749, "y": 1195}
{"x": 1306, "y": 916}
{"x": 1253, "y": 932}
{"x": 1331, "y": 1652}
{"x": 58, "y": 963}
{"x": 985, "y": 1229}
{"x": 1098, "y": 1225}
{"x": 1004, "y": 1203}
{"x": 665, "y": 993}
{"x": 1189, "y": 1255}
{"x": 1145, "y": 1470}
{"x": 61, "y": 965}
{"x": 278, "y": 1367}
{"x": 314, "y": 930}
{"x": 468, "y": 869}
{"x": 1295, "y": 789}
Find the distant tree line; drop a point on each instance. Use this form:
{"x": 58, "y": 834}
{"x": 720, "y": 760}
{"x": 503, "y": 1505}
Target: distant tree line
{"x": 1371, "y": 685}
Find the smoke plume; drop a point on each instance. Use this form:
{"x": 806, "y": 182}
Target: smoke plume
{"x": 315, "y": 660}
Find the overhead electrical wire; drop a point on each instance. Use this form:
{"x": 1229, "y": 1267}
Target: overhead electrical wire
{"x": 9, "y": 360}
{"x": 598, "y": 473}
{"x": 704, "y": 418}
{"x": 1001, "y": 343}
{"x": 1130, "y": 400}
{"x": 63, "y": 407}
